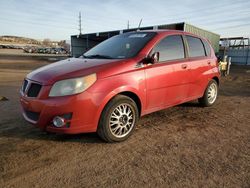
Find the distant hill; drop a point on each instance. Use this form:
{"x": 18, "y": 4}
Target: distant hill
{"x": 19, "y": 40}
{"x": 24, "y": 41}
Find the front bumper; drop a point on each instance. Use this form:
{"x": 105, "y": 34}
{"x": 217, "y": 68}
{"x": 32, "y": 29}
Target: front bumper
{"x": 41, "y": 112}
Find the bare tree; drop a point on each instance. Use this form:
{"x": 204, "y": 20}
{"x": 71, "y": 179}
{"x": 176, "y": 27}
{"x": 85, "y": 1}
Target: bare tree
{"x": 46, "y": 42}
{"x": 62, "y": 43}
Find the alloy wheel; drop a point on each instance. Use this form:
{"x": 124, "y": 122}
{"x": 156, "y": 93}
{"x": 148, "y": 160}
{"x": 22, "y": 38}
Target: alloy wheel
{"x": 122, "y": 120}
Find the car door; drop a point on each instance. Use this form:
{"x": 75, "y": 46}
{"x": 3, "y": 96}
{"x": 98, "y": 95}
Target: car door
{"x": 167, "y": 82}
{"x": 199, "y": 65}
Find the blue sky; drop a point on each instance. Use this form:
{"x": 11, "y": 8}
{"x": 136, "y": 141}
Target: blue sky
{"x": 58, "y": 19}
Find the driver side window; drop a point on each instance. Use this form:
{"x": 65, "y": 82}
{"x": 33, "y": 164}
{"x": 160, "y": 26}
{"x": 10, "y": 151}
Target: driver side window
{"x": 170, "y": 48}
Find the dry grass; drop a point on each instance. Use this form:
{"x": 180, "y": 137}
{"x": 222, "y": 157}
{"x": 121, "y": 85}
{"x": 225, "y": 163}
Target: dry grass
{"x": 184, "y": 146}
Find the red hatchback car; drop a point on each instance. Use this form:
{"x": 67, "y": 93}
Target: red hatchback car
{"x": 127, "y": 76}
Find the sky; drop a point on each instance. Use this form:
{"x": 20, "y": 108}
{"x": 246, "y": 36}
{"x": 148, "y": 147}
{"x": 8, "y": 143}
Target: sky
{"x": 58, "y": 19}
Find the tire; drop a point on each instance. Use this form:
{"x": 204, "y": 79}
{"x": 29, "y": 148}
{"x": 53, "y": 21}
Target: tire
{"x": 115, "y": 126}
{"x": 210, "y": 94}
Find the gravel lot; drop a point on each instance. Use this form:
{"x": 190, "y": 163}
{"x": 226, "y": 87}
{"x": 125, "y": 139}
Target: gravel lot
{"x": 183, "y": 146}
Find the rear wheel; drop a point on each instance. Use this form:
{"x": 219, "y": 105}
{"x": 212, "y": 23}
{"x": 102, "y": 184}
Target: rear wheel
{"x": 118, "y": 119}
{"x": 210, "y": 94}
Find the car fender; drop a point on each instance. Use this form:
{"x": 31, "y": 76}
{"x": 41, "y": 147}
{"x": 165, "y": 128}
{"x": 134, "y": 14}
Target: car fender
{"x": 112, "y": 94}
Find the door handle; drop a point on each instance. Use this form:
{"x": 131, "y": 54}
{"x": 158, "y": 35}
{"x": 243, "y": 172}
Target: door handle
{"x": 184, "y": 66}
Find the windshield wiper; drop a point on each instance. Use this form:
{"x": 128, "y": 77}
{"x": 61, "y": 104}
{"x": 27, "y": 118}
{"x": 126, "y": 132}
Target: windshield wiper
{"x": 97, "y": 56}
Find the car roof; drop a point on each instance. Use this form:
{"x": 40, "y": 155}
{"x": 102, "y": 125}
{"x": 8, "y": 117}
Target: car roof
{"x": 168, "y": 31}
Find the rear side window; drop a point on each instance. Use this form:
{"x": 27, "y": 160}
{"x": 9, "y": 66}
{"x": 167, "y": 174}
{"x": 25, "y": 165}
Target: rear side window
{"x": 207, "y": 48}
{"x": 170, "y": 48}
{"x": 196, "y": 48}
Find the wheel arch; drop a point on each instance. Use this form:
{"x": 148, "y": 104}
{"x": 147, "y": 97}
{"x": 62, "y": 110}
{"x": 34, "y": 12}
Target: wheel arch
{"x": 134, "y": 97}
{"x": 216, "y": 79}
{"x": 129, "y": 92}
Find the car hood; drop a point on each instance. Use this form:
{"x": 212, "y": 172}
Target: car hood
{"x": 70, "y": 68}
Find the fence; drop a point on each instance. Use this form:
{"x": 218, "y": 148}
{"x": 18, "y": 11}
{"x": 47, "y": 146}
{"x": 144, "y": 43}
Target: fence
{"x": 239, "y": 56}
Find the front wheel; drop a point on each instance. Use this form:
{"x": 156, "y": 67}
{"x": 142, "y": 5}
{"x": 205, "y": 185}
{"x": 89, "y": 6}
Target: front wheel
{"x": 210, "y": 95}
{"x": 118, "y": 119}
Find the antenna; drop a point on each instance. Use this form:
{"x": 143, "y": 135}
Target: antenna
{"x": 128, "y": 25}
{"x": 138, "y": 29}
{"x": 80, "y": 23}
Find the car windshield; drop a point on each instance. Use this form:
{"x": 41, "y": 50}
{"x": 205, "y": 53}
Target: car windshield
{"x": 121, "y": 46}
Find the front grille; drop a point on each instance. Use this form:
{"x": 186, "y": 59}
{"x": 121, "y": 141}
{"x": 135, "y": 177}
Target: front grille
{"x": 34, "y": 90}
{"x": 30, "y": 88}
{"x": 25, "y": 83}
{"x": 32, "y": 115}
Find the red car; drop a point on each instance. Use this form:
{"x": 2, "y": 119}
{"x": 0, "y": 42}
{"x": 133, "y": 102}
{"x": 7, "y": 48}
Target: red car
{"x": 123, "y": 78}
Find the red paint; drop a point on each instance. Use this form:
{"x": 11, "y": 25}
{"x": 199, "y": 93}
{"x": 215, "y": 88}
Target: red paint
{"x": 158, "y": 86}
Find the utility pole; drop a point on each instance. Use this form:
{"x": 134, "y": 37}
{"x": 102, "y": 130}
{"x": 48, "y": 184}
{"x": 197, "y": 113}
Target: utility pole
{"x": 128, "y": 25}
{"x": 80, "y": 23}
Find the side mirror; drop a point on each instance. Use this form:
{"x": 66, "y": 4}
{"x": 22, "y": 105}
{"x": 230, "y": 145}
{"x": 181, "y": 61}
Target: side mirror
{"x": 155, "y": 58}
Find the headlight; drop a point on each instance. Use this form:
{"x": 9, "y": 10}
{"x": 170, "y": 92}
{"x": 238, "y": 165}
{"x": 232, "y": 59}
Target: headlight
{"x": 72, "y": 86}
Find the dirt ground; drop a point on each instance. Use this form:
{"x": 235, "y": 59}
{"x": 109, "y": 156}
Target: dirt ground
{"x": 183, "y": 146}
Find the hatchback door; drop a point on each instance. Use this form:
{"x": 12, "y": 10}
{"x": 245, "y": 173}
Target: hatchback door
{"x": 167, "y": 82}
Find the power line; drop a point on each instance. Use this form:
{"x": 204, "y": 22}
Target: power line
{"x": 92, "y": 22}
{"x": 184, "y": 14}
{"x": 151, "y": 20}
{"x": 210, "y": 9}
{"x": 6, "y": 20}
{"x": 233, "y": 26}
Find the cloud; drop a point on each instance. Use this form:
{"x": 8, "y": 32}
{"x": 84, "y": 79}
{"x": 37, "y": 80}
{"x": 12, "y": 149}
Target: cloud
{"x": 58, "y": 19}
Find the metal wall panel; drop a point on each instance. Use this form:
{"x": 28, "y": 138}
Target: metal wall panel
{"x": 81, "y": 43}
{"x": 78, "y": 45}
{"x": 212, "y": 37}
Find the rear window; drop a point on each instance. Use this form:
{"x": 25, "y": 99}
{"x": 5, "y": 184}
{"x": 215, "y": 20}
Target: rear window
{"x": 196, "y": 48}
{"x": 170, "y": 48}
{"x": 207, "y": 48}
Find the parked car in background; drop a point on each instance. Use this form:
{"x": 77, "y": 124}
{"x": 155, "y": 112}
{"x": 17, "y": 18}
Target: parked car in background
{"x": 30, "y": 49}
{"x": 62, "y": 51}
{"x": 41, "y": 50}
{"x": 58, "y": 51}
{"x": 45, "y": 50}
{"x": 118, "y": 81}
{"x": 53, "y": 51}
